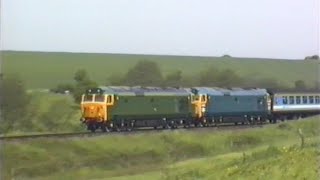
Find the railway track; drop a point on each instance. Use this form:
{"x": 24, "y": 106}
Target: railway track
{"x": 136, "y": 131}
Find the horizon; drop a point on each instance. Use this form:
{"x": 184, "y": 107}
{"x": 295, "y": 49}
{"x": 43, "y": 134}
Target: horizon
{"x": 165, "y": 55}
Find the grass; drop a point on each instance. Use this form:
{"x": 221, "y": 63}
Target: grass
{"x": 272, "y": 152}
{"x": 268, "y": 163}
{"x": 46, "y": 70}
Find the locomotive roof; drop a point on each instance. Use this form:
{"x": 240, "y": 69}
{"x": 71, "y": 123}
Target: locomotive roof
{"x": 233, "y": 91}
{"x": 137, "y": 90}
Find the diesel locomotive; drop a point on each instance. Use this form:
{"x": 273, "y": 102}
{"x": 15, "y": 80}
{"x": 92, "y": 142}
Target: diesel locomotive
{"x": 124, "y": 108}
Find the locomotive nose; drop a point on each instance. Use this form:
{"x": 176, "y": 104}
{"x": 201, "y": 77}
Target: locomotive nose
{"x": 93, "y": 112}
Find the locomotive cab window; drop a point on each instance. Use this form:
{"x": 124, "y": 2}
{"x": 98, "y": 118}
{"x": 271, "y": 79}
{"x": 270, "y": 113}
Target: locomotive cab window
{"x": 311, "y": 99}
{"x": 99, "y": 98}
{"x": 291, "y": 100}
{"x": 88, "y": 98}
{"x": 304, "y": 99}
{"x": 284, "y": 99}
{"x": 298, "y": 99}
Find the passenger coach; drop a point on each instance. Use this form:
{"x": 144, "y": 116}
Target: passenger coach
{"x": 294, "y": 104}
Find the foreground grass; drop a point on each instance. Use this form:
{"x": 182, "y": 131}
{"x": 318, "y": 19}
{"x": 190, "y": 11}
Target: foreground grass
{"x": 55, "y": 68}
{"x": 272, "y": 152}
{"x": 272, "y": 162}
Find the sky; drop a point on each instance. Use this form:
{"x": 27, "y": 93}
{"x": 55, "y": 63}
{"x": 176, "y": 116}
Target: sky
{"x": 248, "y": 28}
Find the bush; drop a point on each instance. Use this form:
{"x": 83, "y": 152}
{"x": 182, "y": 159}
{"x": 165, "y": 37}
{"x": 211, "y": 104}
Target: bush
{"x": 13, "y": 102}
{"x": 57, "y": 116}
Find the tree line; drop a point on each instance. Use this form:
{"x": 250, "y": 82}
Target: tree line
{"x": 19, "y": 109}
{"x": 148, "y": 73}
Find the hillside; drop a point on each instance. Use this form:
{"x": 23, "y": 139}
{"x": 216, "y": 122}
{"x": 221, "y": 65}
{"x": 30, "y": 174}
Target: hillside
{"x": 46, "y": 70}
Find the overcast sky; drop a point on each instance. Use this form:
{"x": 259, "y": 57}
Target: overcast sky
{"x": 243, "y": 28}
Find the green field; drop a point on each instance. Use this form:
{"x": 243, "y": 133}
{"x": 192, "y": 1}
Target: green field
{"x": 46, "y": 70}
{"x": 272, "y": 152}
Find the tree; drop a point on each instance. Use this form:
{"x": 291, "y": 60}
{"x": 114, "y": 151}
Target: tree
{"x": 115, "y": 80}
{"x": 174, "y": 79}
{"x": 224, "y": 78}
{"x": 226, "y": 56}
{"x": 13, "y": 102}
{"x": 228, "y": 78}
{"x": 208, "y": 77}
{"x": 81, "y": 75}
{"x": 83, "y": 83}
{"x": 144, "y": 73}
{"x": 300, "y": 85}
{"x": 314, "y": 57}
{"x": 258, "y": 82}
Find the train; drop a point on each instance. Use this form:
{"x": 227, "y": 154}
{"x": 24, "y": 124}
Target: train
{"x": 122, "y": 108}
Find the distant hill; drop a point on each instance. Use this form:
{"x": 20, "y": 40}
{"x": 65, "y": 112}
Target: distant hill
{"x": 47, "y": 69}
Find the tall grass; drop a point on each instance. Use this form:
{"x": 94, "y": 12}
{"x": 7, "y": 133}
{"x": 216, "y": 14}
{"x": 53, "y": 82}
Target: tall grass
{"x": 157, "y": 153}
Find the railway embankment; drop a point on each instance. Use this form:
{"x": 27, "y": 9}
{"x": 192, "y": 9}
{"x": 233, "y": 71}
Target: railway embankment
{"x": 285, "y": 150}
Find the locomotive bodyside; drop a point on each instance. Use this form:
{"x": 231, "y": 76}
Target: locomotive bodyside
{"x": 235, "y": 105}
{"x": 147, "y": 107}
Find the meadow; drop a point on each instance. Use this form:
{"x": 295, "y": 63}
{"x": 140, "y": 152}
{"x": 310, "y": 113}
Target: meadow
{"x": 272, "y": 152}
{"x": 46, "y": 70}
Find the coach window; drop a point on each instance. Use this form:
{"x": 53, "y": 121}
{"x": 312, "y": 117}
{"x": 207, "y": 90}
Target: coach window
{"x": 291, "y": 100}
{"x": 298, "y": 99}
{"x": 311, "y": 99}
{"x": 317, "y": 100}
{"x": 285, "y": 99}
{"x": 304, "y": 99}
